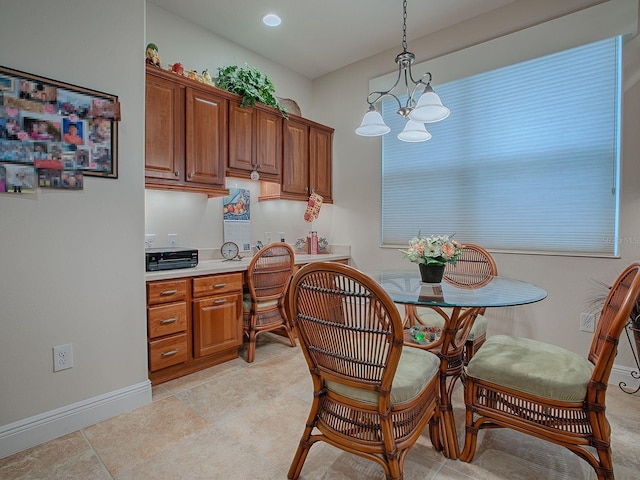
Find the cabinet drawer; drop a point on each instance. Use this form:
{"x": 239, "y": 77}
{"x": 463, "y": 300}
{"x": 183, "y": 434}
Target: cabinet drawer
{"x": 216, "y": 284}
{"x": 166, "y": 291}
{"x": 167, "y": 319}
{"x": 166, "y": 352}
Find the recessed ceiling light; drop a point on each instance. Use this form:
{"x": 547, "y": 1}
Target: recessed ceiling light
{"x": 271, "y": 19}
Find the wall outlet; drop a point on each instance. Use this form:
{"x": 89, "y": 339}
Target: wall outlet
{"x": 267, "y": 238}
{"x": 62, "y": 357}
{"x": 173, "y": 239}
{"x": 149, "y": 240}
{"x": 281, "y": 234}
{"x": 588, "y": 322}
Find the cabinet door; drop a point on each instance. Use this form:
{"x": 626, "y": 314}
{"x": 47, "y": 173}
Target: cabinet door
{"x": 320, "y": 161}
{"x": 295, "y": 161}
{"x": 268, "y": 143}
{"x": 206, "y": 139}
{"x": 241, "y": 137}
{"x": 164, "y": 129}
{"x": 255, "y": 142}
{"x": 217, "y": 324}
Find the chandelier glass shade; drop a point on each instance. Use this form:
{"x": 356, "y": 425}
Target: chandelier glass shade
{"x": 427, "y": 109}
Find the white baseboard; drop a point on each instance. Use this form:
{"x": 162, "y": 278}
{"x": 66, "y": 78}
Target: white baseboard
{"x": 46, "y": 426}
{"x": 623, "y": 374}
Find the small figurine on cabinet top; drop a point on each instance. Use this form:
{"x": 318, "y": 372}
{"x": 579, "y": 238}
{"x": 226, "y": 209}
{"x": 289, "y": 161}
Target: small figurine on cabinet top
{"x": 193, "y": 75}
{"x": 152, "y": 55}
{"x": 178, "y": 68}
{"x": 206, "y": 77}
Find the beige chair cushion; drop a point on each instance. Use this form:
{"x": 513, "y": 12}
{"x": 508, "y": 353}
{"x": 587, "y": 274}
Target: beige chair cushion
{"x": 415, "y": 370}
{"x": 246, "y": 303}
{"x": 532, "y": 367}
{"x": 431, "y": 319}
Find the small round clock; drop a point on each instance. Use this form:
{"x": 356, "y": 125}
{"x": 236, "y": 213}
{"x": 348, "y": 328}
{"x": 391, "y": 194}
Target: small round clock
{"x": 229, "y": 250}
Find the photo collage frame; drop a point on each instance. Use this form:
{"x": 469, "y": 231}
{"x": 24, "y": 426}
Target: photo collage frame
{"x": 53, "y": 134}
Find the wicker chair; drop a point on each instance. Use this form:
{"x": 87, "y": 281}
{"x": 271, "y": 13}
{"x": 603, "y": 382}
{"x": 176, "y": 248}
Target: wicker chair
{"x": 371, "y": 397}
{"x": 474, "y": 268}
{"x": 268, "y": 277}
{"x": 548, "y": 392}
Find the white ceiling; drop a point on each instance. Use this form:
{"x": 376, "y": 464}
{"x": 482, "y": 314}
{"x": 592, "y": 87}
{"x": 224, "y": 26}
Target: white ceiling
{"x": 319, "y": 36}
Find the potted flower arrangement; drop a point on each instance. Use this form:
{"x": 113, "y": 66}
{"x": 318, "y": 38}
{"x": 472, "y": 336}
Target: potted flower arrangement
{"x": 432, "y": 254}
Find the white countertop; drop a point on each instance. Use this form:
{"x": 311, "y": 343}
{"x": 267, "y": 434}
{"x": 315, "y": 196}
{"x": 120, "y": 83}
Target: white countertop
{"x": 207, "y": 267}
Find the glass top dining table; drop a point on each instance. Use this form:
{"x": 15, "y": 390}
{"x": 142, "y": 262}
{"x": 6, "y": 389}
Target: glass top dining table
{"x": 405, "y": 286}
{"x": 458, "y": 299}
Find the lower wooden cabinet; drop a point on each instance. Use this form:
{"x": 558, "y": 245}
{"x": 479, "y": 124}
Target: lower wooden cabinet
{"x": 193, "y": 323}
{"x": 217, "y": 313}
{"x": 215, "y": 324}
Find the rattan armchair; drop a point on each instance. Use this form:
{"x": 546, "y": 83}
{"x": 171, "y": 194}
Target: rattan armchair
{"x": 371, "y": 396}
{"x": 268, "y": 277}
{"x": 548, "y": 392}
{"x": 474, "y": 267}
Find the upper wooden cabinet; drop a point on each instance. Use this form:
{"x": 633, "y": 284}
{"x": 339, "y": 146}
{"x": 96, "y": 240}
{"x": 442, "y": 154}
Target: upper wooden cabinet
{"x": 295, "y": 180}
{"x": 196, "y": 135}
{"x": 164, "y": 129}
{"x": 306, "y": 162}
{"x": 206, "y": 138}
{"x": 255, "y": 142}
{"x": 320, "y": 159}
{"x": 186, "y": 133}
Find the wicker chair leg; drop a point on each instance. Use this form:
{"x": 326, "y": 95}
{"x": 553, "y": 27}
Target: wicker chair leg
{"x": 287, "y": 327}
{"x": 298, "y": 460}
{"x": 251, "y": 346}
{"x": 292, "y": 339}
{"x": 604, "y": 470}
{"x": 305, "y": 442}
{"x": 434, "y": 433}
{"x": 471, "y": 430}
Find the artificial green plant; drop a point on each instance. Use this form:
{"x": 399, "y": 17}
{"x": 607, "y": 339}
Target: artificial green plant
{"x": 251, "y": 84}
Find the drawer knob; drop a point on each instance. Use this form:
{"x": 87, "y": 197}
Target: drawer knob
{"x": 169, "y": 353}
{"x": 168, "y": 292}
{"x": 168, "y": 320}
{"x": 218, "y": 285}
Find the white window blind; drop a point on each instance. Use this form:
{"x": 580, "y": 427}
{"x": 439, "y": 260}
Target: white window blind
{"x": 527, "y": 160}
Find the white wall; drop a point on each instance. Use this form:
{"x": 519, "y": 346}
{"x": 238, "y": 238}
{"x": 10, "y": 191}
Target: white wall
{"x": 72, "y": 263}
{"x": 339, "y": 100}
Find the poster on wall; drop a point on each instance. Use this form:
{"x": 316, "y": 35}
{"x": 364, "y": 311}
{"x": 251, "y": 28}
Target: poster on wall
{"x": 53, "y": 134}
{"x": 236, "y": 217}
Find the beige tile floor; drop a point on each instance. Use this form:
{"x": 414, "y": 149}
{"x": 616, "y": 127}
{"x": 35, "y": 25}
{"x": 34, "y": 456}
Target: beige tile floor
{"x": 240, "y": 421}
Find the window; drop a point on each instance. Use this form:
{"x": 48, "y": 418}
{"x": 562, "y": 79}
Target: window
{"x": 527, "y": 161}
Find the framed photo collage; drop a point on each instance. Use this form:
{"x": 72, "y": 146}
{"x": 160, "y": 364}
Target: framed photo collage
{"x": 54, "y": 134}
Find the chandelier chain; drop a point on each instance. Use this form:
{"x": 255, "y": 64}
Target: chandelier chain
{"x": 404, "y": 26}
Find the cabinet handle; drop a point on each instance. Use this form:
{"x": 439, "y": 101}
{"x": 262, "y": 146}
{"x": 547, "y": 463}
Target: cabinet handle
{"x": 190, "y": 174}
{"x": 168, "y": 320}
{"x": 218, "y": 285}
{"x": 169, "y": 353}
{"x": 168, "y": 292}
{"x": 177, "y": 174}
{"x": 218, "y": 302}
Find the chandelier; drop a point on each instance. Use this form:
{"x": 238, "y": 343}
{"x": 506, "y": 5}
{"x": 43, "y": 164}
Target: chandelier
{"x": 427, "y": 109}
